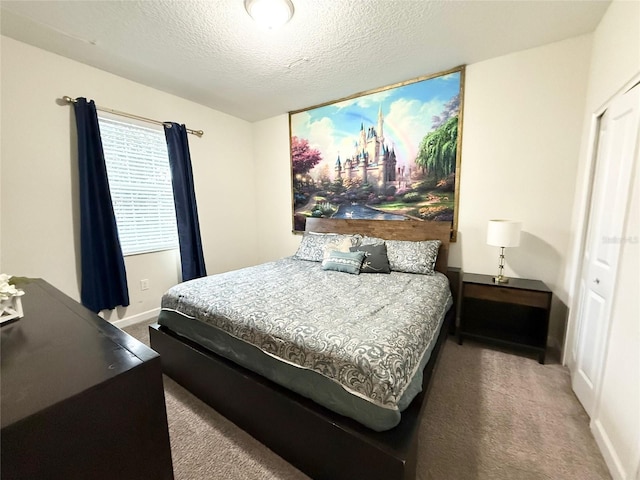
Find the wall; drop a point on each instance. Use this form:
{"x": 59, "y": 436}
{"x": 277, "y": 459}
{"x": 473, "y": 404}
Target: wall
{"x": 615, "y": 63}
{"x": 39, "y": 211}
{"x": 273, "y": 187}
{"x": 522, "y": 126}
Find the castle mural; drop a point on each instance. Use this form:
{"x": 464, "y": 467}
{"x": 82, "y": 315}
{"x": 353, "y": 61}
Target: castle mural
{"x": 389, "y": 154}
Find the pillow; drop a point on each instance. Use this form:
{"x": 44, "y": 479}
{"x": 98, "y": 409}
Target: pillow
{"x": 366, "y": 240}
{"x": 343, "y": 246}
{"x": 348, "y": 262}
{"x": 312, "y": 244}
{"x": 375, "y": 258}
{"x": 413, "y": 257}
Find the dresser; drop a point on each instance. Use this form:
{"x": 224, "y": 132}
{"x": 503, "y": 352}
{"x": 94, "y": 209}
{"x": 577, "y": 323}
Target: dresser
{"x": 80, "y": 398}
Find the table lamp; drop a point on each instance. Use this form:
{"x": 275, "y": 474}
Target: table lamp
{"x": 503, "y": 233}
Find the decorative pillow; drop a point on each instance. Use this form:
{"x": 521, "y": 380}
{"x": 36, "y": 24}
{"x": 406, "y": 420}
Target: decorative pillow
{"x": 343, "y": 246}
{"x": 348, "y": 262}
{"x": 312, "y": 244}
{"x": 366, "y": 240}
{"x": 413, "y": 257}
{"x": 375, "y": 258}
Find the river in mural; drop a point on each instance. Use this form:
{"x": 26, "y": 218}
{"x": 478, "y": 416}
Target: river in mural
{"x": 364, "y": 212}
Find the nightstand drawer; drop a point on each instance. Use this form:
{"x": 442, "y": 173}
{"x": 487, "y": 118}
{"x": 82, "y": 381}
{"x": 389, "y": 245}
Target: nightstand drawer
{"x": 507, "y": 295}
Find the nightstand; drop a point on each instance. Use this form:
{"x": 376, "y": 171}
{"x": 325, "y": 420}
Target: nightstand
{"x": 514, "y": 314}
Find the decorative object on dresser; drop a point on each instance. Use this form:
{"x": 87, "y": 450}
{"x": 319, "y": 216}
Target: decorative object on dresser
{"x": 503, "y": 233}
{"x": 513, "y": 315}
{"x": 80, "y": 398}
{"x": 10, "y": 301}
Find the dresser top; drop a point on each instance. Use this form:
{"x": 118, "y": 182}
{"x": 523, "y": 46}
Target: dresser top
{"x": 57, "y": 350}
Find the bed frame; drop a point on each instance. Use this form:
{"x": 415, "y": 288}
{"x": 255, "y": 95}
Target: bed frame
{"x": 319, "y": 442}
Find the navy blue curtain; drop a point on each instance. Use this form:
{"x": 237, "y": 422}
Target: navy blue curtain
{"x": 191, "y": 256}
{"x": 104, "y": 280}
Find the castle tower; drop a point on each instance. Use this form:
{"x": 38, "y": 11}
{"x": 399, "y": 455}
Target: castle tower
{"x": 380, "y": 123}
{"x": 391, "y": 165}
{"x": 363, "y": 166}
{"x": 338, "y": 168}
{"x": 382, "y": 157}
{"x": 348, "y": 168}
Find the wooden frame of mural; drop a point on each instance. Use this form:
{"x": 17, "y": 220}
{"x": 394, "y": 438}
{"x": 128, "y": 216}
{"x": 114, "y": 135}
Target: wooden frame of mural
{"x": 387, "y": 154}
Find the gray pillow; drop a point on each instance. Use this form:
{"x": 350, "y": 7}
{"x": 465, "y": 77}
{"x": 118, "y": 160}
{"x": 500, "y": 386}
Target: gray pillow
{"x": 312, "y": 245}
{"x": 413, "y": 257}
{"x": 366, "y": 240}
{"x": 375, "y": 259}
{"x": 348, "y": 262}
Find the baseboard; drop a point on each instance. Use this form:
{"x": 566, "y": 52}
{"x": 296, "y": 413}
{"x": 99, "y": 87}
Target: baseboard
{"x": 616, "y": 469}
{"x": 140, "y": 317}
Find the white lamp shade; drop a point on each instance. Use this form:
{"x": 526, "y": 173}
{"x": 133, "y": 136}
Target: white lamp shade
{"x": 504, "y": 233}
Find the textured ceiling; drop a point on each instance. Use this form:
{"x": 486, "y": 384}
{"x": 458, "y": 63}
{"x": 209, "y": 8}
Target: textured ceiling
{"x": 211, "y": 52}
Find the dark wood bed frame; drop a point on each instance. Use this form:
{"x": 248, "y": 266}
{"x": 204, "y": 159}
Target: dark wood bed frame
{"x": 321, "y": 443}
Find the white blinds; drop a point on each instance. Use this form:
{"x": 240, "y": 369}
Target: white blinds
{"x": 140, "y": 183}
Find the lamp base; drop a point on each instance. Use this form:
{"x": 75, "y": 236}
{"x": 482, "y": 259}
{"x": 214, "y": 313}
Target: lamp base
{"x": 500, "y": 279}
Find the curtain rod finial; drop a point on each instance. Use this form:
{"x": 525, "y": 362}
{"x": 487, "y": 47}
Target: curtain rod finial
{"x": 69, "y": 99}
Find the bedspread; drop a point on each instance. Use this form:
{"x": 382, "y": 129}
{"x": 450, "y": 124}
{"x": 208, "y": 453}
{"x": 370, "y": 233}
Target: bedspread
{"x": 367, "y": 332}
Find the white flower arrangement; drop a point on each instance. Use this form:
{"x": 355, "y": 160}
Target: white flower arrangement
{"x": 10, "y": 303}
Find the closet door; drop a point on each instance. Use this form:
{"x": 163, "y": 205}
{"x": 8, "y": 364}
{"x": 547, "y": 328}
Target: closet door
{"x": 617, "y": 144}
{"x": 606, "y": 372}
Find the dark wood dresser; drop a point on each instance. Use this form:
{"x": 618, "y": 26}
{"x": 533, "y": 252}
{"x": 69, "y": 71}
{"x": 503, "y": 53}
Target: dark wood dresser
{"x": 81, "y": 399}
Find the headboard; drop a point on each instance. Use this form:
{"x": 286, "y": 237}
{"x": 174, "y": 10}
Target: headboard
{"x": 414, "y": 230}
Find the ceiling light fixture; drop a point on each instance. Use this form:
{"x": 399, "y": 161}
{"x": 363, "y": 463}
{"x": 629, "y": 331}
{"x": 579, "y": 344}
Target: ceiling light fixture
{"x": 270, "y": 13}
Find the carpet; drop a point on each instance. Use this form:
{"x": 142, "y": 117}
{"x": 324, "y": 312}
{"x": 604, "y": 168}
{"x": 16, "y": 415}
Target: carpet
{"x": 490, "y": 415}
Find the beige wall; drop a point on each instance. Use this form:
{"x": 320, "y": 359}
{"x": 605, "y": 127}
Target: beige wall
{"x": 522, "y": 126}
{"x": 615, "y": 65}
{"x": 39, "y": 220}
{"x": 273, "y": 189}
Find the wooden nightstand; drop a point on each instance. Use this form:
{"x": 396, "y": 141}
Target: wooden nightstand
{"x": 514, "y": 314}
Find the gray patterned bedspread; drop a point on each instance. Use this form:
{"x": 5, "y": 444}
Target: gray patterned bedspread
{"x": 368, "y": 332}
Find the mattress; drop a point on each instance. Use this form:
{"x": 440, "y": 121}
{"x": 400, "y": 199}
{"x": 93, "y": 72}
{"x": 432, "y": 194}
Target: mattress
{"x": 356, "y": 344}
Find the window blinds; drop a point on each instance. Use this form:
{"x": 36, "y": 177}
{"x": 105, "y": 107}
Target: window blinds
{"x": 140, "y": 183}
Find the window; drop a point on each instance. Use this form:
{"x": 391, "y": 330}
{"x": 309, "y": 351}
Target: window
{"x": 140, "y": 183}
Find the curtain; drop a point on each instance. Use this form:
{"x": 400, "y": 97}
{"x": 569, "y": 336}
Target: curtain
{"x": 191, "y": 256}
{"x": 104, "y": 280}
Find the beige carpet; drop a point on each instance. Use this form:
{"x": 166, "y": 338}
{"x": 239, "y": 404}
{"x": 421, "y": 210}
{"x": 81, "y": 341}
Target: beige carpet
{"x": 490, "y": 415}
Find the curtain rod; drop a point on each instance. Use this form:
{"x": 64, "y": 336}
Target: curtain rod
{"x": 197, "y": 133}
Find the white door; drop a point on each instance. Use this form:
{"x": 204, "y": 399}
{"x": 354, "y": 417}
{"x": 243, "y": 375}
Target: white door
{"x": 617, "y": 141}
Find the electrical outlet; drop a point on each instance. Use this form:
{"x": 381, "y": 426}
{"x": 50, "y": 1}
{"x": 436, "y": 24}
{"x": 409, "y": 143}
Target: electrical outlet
{"x": 144, "y": 284}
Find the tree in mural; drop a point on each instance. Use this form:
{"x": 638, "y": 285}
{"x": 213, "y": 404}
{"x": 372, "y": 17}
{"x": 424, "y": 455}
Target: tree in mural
{"x": 437, "y": 153}
{"x": 303, "y": 157}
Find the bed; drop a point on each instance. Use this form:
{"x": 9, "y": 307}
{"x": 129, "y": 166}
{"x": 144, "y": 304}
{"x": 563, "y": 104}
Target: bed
{"x": 324, "y": 389}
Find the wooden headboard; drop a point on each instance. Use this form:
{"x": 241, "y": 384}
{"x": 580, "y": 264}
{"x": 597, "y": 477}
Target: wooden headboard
{"x": 390, "y": 230}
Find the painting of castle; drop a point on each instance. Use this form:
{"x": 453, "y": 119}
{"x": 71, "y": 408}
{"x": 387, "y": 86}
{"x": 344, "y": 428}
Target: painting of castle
{"x": 391, "y": 154}
{"x": 372, "y": 161}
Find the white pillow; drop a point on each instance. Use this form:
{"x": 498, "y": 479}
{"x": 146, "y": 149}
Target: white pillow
{"x": 312, "y": 246}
